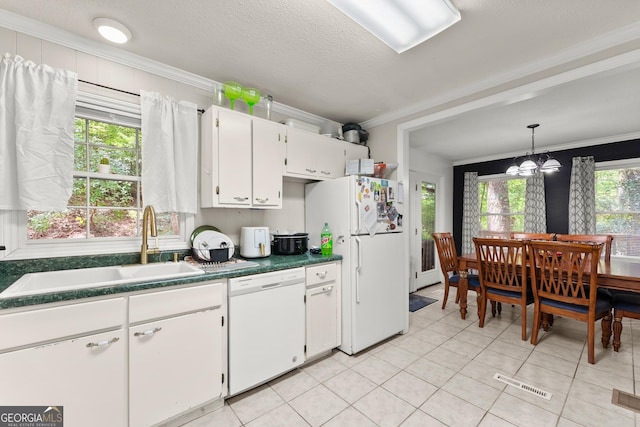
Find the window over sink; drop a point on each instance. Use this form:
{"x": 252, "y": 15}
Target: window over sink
{"x": 104, "y": 213}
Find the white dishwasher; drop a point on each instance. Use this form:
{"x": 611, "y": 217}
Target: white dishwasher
{"x": 266, "y": 327}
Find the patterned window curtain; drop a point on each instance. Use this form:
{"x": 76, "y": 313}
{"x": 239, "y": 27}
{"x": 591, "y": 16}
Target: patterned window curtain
{"x": 535, "y": 208}
{"x": 470, "y": 212}
{"x": 582, "y": 196}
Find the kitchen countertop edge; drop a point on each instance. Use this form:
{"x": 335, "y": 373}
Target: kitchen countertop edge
{"x": 272, "y": 263}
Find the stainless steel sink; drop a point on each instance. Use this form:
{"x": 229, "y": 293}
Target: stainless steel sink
{"x": 65, "y": 280}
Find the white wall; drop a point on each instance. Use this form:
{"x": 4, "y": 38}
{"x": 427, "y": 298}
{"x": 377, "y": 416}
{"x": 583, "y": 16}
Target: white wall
{"x": 115, "y": 75}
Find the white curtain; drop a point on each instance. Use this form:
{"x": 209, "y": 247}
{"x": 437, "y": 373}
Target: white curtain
{"x": 582, "y": 196}
{"x": 169, "y": 153}
{"x": 37, "y": 109}
{"x": 470, "y": 212}
{"x": 535, "y": 208}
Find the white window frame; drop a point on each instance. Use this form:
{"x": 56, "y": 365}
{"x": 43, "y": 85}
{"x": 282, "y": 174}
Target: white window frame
{"x": 620, "y": 164}
{"x": 13, "y": 224}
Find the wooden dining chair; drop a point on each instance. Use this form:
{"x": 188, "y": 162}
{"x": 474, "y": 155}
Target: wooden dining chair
{"x": 448, "y": 257}
{"x": 533, "y": 236}
{"x": 606, "y": 239}
{"x": 503, "y": 276}
{"x": 564, "y": 276}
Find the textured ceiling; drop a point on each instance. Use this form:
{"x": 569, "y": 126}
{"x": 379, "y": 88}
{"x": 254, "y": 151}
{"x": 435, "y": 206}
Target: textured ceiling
{"x": 310, "y": 56}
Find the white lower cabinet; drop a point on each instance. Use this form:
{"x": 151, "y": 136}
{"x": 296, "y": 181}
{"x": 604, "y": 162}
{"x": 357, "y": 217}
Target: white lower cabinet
{"x": 323, "y": 327}
{"x": 177, "y": 362}
{"x": 84, "y": 372}
{"x": 78, "y": 357}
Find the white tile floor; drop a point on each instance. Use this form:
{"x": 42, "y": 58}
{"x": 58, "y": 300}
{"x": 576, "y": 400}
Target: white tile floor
{"x": 441, "y": 374}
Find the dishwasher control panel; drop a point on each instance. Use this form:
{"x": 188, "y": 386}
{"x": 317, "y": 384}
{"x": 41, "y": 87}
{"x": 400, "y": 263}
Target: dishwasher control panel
{"x": 264, "y": 281}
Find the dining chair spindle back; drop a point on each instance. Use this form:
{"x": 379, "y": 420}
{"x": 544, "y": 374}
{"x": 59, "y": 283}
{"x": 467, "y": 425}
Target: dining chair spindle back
{"x": 533, "y": 236}
{"x": 565, "y": 283}
{"x": 503, "y": 276}
{"x": 448, "y": 258}
{"x": 606, "y": 239}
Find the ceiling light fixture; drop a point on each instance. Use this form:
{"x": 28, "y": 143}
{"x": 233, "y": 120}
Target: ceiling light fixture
{"x": 112, "y": 30}
{"x": 534, "y": 163}
{"x": 401, "y": 24}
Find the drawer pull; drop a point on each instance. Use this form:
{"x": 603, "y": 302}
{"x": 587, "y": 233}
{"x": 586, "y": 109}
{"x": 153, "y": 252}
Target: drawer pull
{"x": 103, "y": 343}
{"x": 262, "y": 200}
{"x": 146, "y": 333}
{"x": 241, "y": 199}
{"x": 322, "y": 274}
{"x": 310, "y": 170}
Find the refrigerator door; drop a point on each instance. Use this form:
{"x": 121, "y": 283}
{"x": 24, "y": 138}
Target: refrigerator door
{"x": 375, "y": 304}
{"x": 376, "y": 208}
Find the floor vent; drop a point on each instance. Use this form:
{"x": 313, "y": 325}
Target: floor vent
{"x": 523, "y": 386}
{"x": 626, "y": 400}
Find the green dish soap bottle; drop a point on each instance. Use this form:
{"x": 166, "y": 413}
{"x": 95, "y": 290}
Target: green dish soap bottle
{"x": 326, "y": 241}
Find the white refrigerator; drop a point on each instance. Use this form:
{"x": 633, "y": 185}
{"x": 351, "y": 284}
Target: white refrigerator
{"x": 365, "y": 218}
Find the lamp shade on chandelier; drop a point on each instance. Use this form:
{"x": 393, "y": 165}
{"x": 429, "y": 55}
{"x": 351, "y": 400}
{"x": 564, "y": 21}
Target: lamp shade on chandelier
{"x": 532, "y": 163}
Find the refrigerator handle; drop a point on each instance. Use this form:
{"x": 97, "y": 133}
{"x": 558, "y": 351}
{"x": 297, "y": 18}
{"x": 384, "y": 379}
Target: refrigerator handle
{"x": 357, "y": 230}
{"x": 358, "y": 267}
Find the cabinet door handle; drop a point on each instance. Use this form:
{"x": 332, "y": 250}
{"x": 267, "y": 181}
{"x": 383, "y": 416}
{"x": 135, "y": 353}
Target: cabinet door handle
{"x": 321, "y": 291}
{"x": 103, "y": 343}
{"x": 325, "y": 173}
{"x": 262, "y": 200}
{"x": 241, "y": 199}
{"x": 145, "y": 333}
{"x": 322, "y": 274}
{"x": 310, "y": 170}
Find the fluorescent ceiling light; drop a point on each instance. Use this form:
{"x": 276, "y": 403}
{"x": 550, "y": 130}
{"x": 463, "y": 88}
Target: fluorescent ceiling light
{"x": 112, "y": 30}
{"x": 401, "y": 24}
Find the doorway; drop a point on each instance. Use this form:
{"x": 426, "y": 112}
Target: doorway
{"x": 424, "y": 199}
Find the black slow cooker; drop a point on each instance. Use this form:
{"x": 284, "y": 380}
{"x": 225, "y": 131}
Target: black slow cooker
{"x": 289, "y": 244}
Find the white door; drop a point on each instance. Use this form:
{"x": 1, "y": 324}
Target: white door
{"x": 268, "y": 157}
{"x": 424, "y": 200}
{"x": 234, "y": 158}
{"x": 379, "y": 301}
{"x": 175, "y": 364}
{"x": 85, "y": 376}
{"x": 322, "y": 318}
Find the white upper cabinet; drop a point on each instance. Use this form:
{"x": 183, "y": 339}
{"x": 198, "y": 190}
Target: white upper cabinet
{"x": 240, "y": 160}
{"x": 356, "y": 151}
{"x": 313, "y": 156}
{"x": 268, "y": 158}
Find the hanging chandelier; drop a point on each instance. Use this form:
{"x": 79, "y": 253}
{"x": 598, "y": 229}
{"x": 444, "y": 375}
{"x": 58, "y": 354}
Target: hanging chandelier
{"x": 533, "y": 163}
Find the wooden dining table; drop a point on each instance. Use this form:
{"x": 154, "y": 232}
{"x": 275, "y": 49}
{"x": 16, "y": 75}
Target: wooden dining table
{"x": 616, "y": 274}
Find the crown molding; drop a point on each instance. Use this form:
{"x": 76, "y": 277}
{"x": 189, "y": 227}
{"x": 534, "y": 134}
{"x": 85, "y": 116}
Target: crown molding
{"x": 559, "y": 147}
{"x": 65, "y": 38}
{"x": 598, "y": 44}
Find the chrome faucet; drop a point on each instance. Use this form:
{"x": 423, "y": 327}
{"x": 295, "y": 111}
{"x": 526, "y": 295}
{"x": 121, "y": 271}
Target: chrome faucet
{"x": 148, "y": 219}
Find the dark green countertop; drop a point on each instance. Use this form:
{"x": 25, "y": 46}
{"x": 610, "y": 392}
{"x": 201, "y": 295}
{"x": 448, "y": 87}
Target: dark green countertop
{"x": 14, "y": 270}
